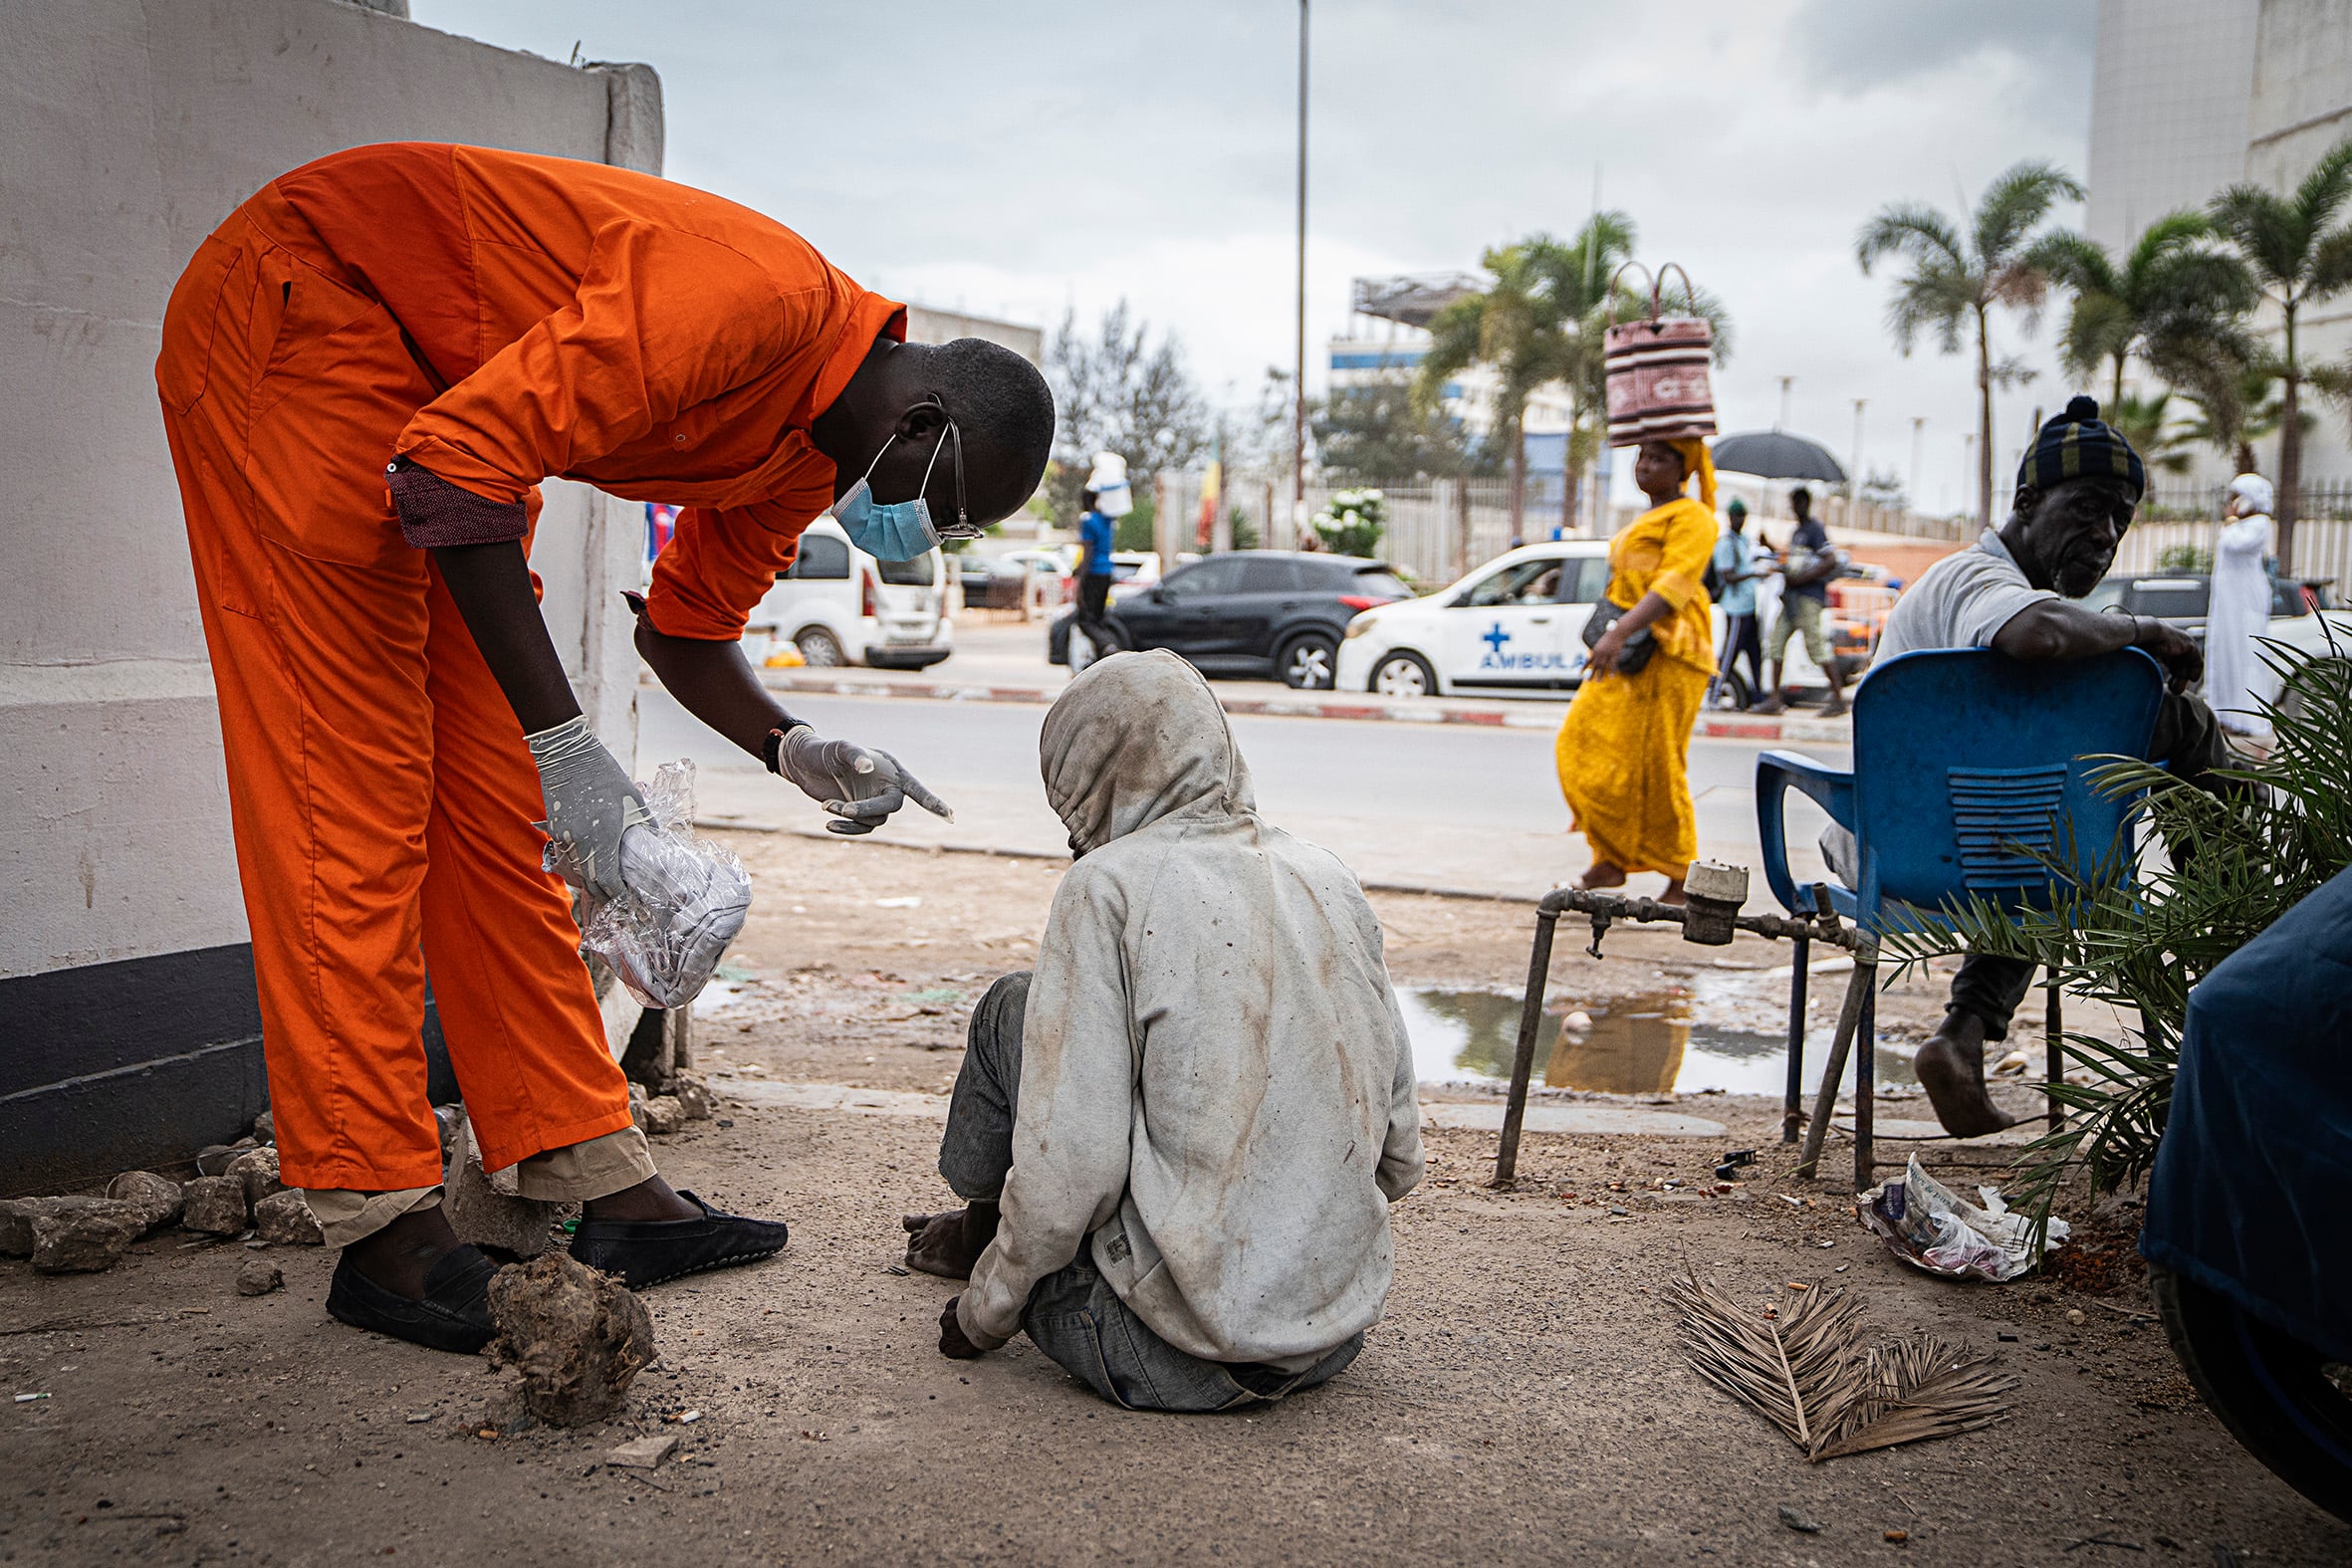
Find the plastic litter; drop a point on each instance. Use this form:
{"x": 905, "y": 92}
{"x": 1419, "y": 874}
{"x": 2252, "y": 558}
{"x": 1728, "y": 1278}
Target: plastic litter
{"x": 1935, "y": 1229}
{"x": 686, "y": 899}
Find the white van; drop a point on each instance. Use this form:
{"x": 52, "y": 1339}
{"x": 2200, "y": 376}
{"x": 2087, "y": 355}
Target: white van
{"x": 840, "y": 605}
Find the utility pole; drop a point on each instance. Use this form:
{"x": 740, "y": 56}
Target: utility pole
{"x": 1782, "y": 423}
{"x": 1299, "y": 386}
{"x": 1919, "y": 424}
{"x": 1854, "y": 478}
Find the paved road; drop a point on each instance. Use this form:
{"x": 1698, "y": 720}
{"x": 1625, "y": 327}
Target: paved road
{"x": 1450, "y": 807}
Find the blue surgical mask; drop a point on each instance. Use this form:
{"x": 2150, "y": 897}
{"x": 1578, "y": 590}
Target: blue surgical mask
{"x": 901, "y": 530}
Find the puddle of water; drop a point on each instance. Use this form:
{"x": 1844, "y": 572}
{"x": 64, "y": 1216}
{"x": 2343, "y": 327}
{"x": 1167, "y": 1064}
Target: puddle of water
{"x": 1724, "y": 1031}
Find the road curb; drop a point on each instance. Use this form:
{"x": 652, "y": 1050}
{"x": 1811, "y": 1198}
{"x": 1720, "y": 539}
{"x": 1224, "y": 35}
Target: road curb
{"x": 1723, "y": 727}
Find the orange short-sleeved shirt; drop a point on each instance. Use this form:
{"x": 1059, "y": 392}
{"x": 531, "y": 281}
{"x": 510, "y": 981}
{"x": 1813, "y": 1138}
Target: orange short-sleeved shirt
{"x": 593, "y": 323}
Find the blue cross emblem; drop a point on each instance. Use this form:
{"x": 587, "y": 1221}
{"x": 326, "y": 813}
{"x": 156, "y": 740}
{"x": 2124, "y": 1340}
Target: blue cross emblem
{"x": 1496, "y": 638}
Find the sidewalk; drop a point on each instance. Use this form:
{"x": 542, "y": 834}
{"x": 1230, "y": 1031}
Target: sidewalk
{"x": 1004, "y": 661}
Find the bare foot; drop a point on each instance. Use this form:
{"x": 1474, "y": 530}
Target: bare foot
{"x": 1602, "y": 874}
{"x": 949, "y": 1244}
{"x": 1951, "y": 1068}
{"x": 651, "y": 1199}
{"x": 1673, "y": 893}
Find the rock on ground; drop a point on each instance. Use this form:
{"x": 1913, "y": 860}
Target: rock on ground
{"x": 156, "y": 1198}
{"x": 579, "y": 1338}
{"x": 214, "y": 1157}
{"x": 643, "y": 1453}
{"x": 696, "y": 1096}
{"x": 84, "y": 1240}
{"x": 215, "y": 1204}
{"x": 258, "y": 1170}
{"x": 479, "y": 1212}
{"x": 285, "y": 1217}
{"x": 259, "y": 1276}
{"x": 18, "y": 1213}
{"x": 660, "y": 1116}
{"x": 265, "y": 1128}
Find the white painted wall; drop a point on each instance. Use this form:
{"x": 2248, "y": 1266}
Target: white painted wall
{"x": 130, "y": 128}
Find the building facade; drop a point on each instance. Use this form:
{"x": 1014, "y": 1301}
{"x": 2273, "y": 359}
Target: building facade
{"x": 2191, "y": 95}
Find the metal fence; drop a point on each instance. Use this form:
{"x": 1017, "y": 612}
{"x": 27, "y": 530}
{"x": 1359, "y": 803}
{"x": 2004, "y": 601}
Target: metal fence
{"x": 2175, "y": 517}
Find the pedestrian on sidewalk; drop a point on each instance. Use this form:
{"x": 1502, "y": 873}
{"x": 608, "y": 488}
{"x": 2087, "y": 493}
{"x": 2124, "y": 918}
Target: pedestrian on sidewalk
{"x": 1624, "y": 749}
{"x": 1177, "y": 1140}
{"x": 1736, "y": 569}
{"x": 2237, "y": 612}
{"x": 1107, "y": 498}
{"x": 2015, "y": 593}
{"x": 365, "y": 373}
{"x": 1804, "y": 608}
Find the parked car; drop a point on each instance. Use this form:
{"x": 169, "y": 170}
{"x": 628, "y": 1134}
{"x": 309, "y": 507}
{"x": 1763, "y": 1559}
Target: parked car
{"x": 2182, "y": 597}
{"x": 1250, "y": 613}
{"x": 988, "y": 584}
{"x": 840, "y": 605}
{"x": 1131, "y": 573}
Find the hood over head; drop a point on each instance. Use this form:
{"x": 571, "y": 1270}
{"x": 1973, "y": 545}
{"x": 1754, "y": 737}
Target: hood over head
{"x": 1136, "y": 738}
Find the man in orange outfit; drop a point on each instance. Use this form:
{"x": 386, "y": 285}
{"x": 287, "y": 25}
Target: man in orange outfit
{"x": 364, "y": 374}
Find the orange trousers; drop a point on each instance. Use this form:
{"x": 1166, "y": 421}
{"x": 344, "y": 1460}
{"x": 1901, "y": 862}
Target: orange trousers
{"x": 378, "y": 785}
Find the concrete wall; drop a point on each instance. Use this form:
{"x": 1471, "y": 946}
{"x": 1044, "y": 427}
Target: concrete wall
{"x": 132, "y": 129}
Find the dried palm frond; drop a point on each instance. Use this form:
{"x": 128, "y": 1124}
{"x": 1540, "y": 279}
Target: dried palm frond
{"x": 1811, "y": 1375}
{"x": 1919, "y": 1388}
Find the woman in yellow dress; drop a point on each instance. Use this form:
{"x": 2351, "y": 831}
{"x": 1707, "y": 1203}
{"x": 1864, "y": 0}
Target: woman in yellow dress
{"x": 1624, "y": 749}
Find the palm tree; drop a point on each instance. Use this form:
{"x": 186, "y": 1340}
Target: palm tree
{"x": 1514, "y": 328}
{"x": 2175, "y": 301}
{"x": 1588, "y": 302}
{"x": 2148, "y": 424}
{"x": 1579, "y": 275}
{"x": 2298, "y": 257}
{"x": 2234, "y": 410}
{"x": 1955, "y": 280}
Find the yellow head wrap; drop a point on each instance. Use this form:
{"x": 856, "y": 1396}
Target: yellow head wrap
{"x": 1696, "y": 460}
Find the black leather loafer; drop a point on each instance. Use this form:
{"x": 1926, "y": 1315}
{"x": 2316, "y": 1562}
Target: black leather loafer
{"x": 645, "y": 1252}
{"x": 453, "y": 1316}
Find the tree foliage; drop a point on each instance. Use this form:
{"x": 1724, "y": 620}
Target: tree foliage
{"x": 1540, "y": 321}
{"x": 1959, "y": 272}
{"x": 2177, "y": 302}
{"x": 1114, "y": 391}
{"x": 1379, "y": 431}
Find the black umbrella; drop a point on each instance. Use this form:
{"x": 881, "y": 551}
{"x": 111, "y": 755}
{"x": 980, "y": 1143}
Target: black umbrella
{"x": 1776, "y": 454}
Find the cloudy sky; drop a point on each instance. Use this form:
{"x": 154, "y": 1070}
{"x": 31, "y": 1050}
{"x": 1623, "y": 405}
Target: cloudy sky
{"x": 1019, "y": 159}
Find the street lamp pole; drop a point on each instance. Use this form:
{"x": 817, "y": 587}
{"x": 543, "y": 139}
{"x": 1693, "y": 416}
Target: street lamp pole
{"x": 1854, "y": 478}
{"x": 1298, "y": 385}
{"x": 1783, "y": 421}
{"x": 1919, "y": 424}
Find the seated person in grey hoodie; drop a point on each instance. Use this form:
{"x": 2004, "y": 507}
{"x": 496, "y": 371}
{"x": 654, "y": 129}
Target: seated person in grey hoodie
{"x": 1179, "y": 1137}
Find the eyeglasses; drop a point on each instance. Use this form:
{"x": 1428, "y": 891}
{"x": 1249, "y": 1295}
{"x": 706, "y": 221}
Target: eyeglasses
{"x": 963, "y": 527}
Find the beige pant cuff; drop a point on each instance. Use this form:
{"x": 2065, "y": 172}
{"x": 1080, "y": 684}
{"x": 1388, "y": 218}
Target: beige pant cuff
{"x": 345, "y": 1217}
{"x": 595, "y": 1169}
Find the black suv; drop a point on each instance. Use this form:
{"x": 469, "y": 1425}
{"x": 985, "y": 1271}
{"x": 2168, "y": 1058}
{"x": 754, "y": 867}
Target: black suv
{"x": 1252, "y": 612}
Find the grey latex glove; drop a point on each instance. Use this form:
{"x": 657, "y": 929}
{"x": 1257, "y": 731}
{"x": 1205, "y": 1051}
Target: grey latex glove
{"x": 858, "y": 785}
{"x": 590, "y": 803}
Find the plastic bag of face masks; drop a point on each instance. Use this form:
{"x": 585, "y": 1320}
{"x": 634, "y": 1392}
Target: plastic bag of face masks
{"x": 687, "y": 898}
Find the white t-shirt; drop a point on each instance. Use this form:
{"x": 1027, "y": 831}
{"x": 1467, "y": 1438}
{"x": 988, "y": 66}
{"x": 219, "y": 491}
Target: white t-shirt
{"x": 1960, "y": 602}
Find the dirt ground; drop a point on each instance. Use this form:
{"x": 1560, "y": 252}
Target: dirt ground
{"x": 1523, "y": 1400}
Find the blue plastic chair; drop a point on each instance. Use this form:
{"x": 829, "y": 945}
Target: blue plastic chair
{"x": 1963, "y": 759}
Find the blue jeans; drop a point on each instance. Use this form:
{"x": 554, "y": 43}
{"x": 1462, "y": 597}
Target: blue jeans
{"x": 1073, "y": 1314}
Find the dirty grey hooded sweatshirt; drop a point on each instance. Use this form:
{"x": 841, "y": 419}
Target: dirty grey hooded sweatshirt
{"x": 1216, "y": 1087}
